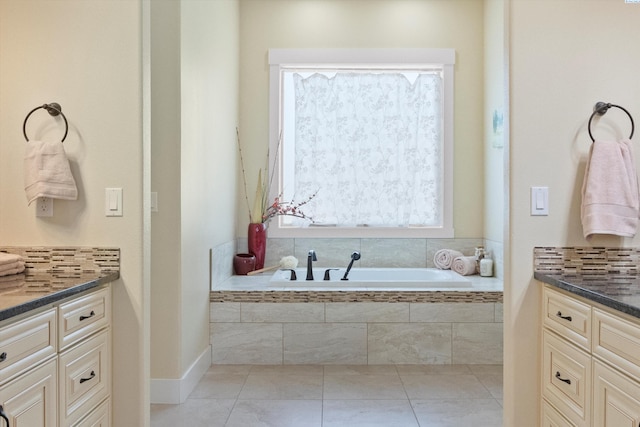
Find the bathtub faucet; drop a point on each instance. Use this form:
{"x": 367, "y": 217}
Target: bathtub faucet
{"x": 310, "y": 258}
{"x": 354, "y": 257}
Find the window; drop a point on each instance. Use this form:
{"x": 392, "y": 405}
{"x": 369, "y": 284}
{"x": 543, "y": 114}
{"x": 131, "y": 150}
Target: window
{"x": 369, "y": 132}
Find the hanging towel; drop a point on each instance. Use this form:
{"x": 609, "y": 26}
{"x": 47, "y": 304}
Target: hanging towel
{"x": 47, "y": 172}
{"x": 610, "y": 200}
{"x": 465, "y": 265}
{"x": 444, "y": 258}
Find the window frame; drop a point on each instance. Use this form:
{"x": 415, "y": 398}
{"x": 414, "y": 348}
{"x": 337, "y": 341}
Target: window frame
{"x": 381, "y": 58}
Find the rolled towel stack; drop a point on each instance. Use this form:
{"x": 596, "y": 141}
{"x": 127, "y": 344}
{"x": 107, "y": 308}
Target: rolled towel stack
{"x": 443, "y": 258}
{"x": 465, "y": 265}
{"x": 11, "y": 264}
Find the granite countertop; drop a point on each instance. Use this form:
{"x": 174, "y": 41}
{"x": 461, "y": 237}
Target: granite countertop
{"x": 24, "y": 292}
{"x": 618, "y": 291}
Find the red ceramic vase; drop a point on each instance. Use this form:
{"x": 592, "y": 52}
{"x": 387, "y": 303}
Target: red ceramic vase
{"x": 257, "y": 242}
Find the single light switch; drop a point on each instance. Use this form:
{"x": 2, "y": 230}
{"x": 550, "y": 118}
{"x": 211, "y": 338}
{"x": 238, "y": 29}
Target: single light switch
{"x": 539, "y": 200}
{"x": 113, "y": 201}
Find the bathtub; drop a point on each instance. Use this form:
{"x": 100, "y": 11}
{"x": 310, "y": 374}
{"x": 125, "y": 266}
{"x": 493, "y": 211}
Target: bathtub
{"x": 372, "y": 278}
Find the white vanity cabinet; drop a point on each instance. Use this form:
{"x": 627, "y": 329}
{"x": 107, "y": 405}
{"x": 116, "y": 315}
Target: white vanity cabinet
{"x": 58, "y": 364}
{"x": 590, "y": 364}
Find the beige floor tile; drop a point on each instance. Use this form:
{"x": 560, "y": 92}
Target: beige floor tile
{"x": 219, "y": 386}
{"x": 206, "y": 412}
{"x": 363, "y": 387}
{"x": 360, "y": 370}
{"x": 444, "y": 387}
{"x": 458, "y": 412}
{"x": 282, "y": 386}
{"x": 368, "y": 413}
{"x": 276, "y": 413}
{"x": 433, "y": 369}
{"x": 287, "y": 369}
{"x": 229, "y": 369}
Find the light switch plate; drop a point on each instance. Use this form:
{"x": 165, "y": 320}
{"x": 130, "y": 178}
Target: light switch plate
{"x": 113, "y": 201}
{"x": 539, "y": 201}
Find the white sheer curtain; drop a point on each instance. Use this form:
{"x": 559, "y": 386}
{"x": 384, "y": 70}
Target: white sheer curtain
{"x": 371, "y": 145}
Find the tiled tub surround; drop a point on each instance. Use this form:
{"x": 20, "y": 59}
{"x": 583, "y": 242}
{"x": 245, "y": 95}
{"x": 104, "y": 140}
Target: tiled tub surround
{"x": 53, "y": 273}
{"x": 405, "y": 253}
{"x": 252, "y": 325}
{"x": 608, "y": 276}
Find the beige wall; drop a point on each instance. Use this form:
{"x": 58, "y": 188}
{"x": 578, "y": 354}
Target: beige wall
{"x": 565, "y": 56}
{"x": 87, "y": 56}
{"x": 369, "y": 24}
{"x": 165, "y": 180}
{"x": 195, "y": 114}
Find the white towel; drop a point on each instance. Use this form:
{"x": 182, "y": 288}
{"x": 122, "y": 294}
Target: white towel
{"x": 444, "y": 258}
{"x": 6, "y": 258}
{"x": 15, "y": 267}
{"x": 465, "y": 265}
{"x": 610, "y": 199}
{"x": 47, "y": 172}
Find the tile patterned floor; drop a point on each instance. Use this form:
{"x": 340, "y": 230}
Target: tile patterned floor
{"x": 340, "y": 396}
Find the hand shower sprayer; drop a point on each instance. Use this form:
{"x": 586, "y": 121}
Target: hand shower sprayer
{"x": 354, "y": 257}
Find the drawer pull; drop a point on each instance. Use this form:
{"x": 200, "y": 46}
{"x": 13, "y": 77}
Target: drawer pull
{"x": 3, "y": 415}
{"x": 93, "y": 313}
{"x": 568, "y": 381}
{"x": 3, "y": 356}
{"x": 559, "y": 314}
{"x": 93, "y": 374}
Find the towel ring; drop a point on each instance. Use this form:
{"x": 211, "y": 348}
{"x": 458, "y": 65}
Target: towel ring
{"x": 53, "y": 109}
{"x": 601, "y": 108}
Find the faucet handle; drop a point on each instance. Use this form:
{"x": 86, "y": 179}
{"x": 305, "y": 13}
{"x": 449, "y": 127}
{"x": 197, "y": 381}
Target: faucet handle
{"x": 293, "y": 274}
{"x": 327, "y": 276}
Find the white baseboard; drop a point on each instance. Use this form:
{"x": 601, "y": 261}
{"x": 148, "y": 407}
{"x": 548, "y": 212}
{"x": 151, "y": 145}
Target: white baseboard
{"x": 177, "y": 391}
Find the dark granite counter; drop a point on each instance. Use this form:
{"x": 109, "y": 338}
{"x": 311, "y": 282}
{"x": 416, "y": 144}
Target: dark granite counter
{"x": 618, "y": 291}
{"x": 24, "y": 292}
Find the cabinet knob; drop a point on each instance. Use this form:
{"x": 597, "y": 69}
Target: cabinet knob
{"x": 559, "y": 314}
{"x": 3, "y": 356}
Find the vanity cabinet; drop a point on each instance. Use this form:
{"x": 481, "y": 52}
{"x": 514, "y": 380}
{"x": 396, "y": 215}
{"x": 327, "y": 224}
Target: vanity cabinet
{"x": 590, "y": 364}
{"x": 55, "y": 366}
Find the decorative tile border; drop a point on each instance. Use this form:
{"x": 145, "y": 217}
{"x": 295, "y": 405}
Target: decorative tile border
{"x": 355, "y": 296}
{"x": 69, "y": 260}
{"x": 586, "y": 260}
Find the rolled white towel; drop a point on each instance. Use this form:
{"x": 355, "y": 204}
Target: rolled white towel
{"x": 464, "y": 265}
{"x": 443, "y": 258}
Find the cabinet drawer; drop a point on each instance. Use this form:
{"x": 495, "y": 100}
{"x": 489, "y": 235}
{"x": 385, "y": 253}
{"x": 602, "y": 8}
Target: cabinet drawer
{"x": 84, "y": 377}
{"x": 566, "y": 378}
{"x": 26, "y": 343}
{"x": 616, "y": 399}
{"x": 552, "y": 418}
{"x": 83, "y": 316}
{"x": 617, "y": 340}
{"x": 99, "y": 417}
{"x": 568, "y": 317}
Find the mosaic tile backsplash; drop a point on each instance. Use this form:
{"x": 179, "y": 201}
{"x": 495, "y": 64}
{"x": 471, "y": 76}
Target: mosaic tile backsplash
{"x": 61, "y": 259}
{"x": 586, "y": 260}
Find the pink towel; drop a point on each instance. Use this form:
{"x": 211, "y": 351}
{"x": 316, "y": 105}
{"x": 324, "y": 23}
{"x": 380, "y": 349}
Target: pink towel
{"x": 610, "y": 199}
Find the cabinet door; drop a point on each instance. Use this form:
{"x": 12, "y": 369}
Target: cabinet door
{"x": 30, "y": 399}
{"x": 616, "y": 398}
{"x": 552, "y": 418}
{"x": 566, "y": 378}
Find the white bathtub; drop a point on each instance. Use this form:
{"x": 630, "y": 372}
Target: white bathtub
{"x": 372, "y": 278}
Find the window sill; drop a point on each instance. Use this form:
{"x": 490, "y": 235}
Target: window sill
{"x": 361, "y": 232}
